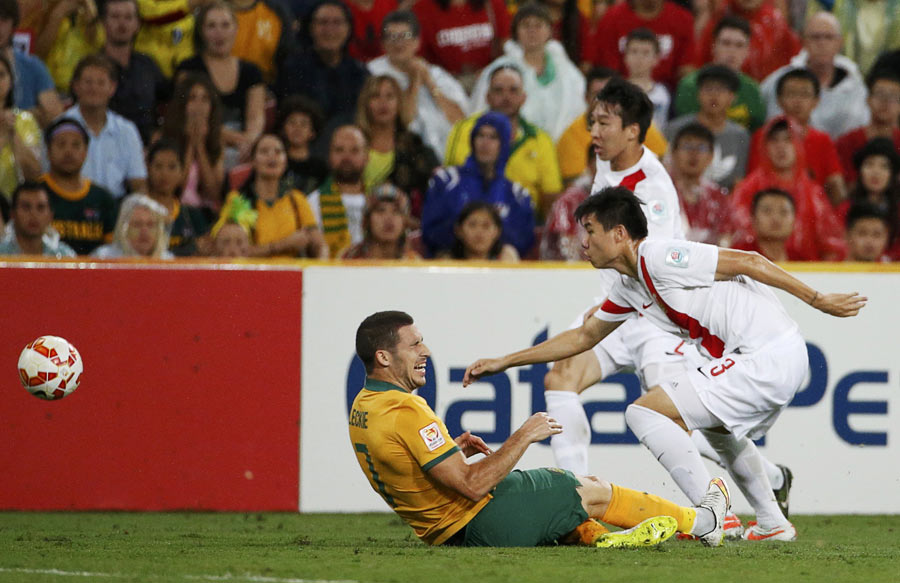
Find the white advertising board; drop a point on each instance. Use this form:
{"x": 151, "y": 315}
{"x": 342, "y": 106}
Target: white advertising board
{"x": 840, "y": 438}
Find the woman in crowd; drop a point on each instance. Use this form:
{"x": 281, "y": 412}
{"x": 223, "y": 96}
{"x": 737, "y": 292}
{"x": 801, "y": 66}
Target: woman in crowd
{"x": 20, "y": 137}
{"x": 239, "y": 83}
{"x": 396, "y": 155}
{"x": 477, "y": 235}
{"x": 281, "y": 220}
{"x": 194, "y": 122}
{"x": 384, "y": 227}
{"x": 141, "y": 231}
{"x": 188, "y": 227}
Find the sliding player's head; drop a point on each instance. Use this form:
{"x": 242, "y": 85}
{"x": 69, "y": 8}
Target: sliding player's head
{"x": 619, "y": 118}
{"x": 612, "y": 219}
{"x": 391, "y": 348}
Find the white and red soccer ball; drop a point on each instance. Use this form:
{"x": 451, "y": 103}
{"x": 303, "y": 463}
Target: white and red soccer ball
{"x": 50, "y": 368}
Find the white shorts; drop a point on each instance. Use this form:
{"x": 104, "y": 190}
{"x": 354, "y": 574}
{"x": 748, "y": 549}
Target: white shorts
{"x": 745, "y": 393}
{"x": 641, "y": 346}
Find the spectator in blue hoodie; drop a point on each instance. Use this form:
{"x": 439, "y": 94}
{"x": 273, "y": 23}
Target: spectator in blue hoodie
{"x": 480, "y": 178}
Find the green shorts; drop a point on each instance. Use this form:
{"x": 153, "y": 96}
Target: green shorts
{"x": 530, "y": 508}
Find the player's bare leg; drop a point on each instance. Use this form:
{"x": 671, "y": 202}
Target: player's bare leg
{"x": 562, "y": 386}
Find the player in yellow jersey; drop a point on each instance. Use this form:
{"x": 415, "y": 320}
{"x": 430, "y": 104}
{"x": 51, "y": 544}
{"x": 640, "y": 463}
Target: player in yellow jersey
{"x": 410, "y": 459}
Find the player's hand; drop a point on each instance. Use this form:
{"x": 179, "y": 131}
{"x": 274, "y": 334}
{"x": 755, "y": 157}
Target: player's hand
{"x": 482, "y": 367}
{"x": 540, "y": 426}
{"x": 840, "y": 305}
{"x": 472, "y": 444}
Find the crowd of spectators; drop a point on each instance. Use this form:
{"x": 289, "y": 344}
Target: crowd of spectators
{"x": 411, "y": 129}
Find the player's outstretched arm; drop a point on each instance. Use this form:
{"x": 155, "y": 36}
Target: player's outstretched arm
{"x": 564, "y": 345}
{"x": 474, "y": 481}
{"x": 752, "y": 264}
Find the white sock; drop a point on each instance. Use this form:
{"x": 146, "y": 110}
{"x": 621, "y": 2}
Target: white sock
{"x": 704, "y": 523}
{"x": 673, "y": 447}
{"x": 570, "y": 448}
{"x": 746, "y": 468}
{"x": 776, "y": 478}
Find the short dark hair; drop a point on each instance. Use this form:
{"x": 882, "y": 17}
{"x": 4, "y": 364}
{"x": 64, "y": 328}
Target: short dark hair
{"x": 9, "y": 10}
{"x": 379, "y": 332}
{"x": 105, "y": 5}
{"x": 165, "y": 145}
{"x": 530, "y": 8}
{"x": 300, "y": 104}
{"x": 732, "y": 21}
{"x": 612, "y": 206}
{"x": 99, "y": 61}
{"x": 601, "y": 73}
{"x": 778, "y": 126}
{"x": 694, "y": 130}
{"x": 719, "y": 74}
{"x": 760, "y": 194}
{"x": 644, "y": 35}
{"x": 632, "y": 104}
{"x": 407, "y": 17}
{"x": 800, "y": 74}
{"x": 881, "y": 74}
{"x": 866, "y": 210}
{"x": 27, "y": 186}
{"x": 65, "y": 121}
{"x": 506, "y": 67}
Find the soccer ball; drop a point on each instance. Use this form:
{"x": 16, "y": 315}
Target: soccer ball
{"x": 50, "y": 368}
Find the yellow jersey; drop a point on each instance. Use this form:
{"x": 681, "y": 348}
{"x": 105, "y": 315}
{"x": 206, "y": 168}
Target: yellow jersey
{"x": 397, "y": 438}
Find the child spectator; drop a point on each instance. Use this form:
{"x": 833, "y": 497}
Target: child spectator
{"x": 478, "y": 235}
{"x": 140, "y": 231}
{"x": 717, "y": 86}
{"x": 299, "y": 122}
{"x": 884, "y": 107}
{"x": 194, "y": 122}
{"x": 773, "y": 216}
{"x": 385, "y": 223}
{"x": 231, "y": 240}
{"x": 818, "y": 234}
{"x": 868, "y": 233}
{"x": 187, "y": 226}
{"x": 20, "y": 137}
{"x": 640, "y": 58}
{"x": 705, "y": 204}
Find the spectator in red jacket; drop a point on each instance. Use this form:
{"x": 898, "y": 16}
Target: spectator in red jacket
{"x": 774, "y": 217}
{"x": 818, "y": 235}
{"x": 884, "y": 107}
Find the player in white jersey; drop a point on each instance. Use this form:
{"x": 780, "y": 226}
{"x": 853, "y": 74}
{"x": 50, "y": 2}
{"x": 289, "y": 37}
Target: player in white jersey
{"x": 619, "y": 117}
{"x": 713, "y": 298}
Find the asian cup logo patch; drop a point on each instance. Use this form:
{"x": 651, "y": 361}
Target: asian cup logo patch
{"x": 677, "y": 257}
{"x": 658, "y": 210}
{"x": 432, "y": 436}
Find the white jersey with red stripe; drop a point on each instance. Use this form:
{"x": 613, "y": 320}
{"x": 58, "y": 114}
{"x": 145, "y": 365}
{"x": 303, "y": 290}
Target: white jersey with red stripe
{"x": 676, "y": 290}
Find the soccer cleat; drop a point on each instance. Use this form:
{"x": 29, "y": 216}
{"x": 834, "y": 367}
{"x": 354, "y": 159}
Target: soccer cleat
{"x": 648, "y": 533}
{"x": 784, "y": 533}
{"x": 782, "y": 495}
{"x": 718, "y": 501}
{"x": 733, "y": 529}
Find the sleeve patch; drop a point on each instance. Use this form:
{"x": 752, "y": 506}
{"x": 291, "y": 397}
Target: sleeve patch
{"x": 432, "y": 436}
{"x": 678, "y": 257}
{"x": 658, "y": 211}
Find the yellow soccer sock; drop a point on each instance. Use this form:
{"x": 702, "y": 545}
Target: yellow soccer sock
{"x": 629, "y": 507}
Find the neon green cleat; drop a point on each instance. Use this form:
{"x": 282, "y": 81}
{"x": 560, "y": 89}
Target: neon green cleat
{"x": 648, "y": 533}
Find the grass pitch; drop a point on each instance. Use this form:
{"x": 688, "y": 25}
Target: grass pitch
{"x": 291, "y": 548}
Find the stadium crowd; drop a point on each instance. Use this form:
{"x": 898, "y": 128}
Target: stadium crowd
{"x": 385, "y": 129}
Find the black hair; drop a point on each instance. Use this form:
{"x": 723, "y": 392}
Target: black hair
{"x": 601, "y": 73}
{"x": 694, "y": 130}
{"x": 879, "y": 147}
{"x": 866, "y": 210}
{"x": 306, "y": 22}
{"x": 613, "y": 206}
{"x": 881, "y": 74}
{"x": 631, "y": 104}
{"x": 781, "y": 125}
{"x": 103, "y": 7}
{"x": 475, "y": 5}
{"x": 801, "y": 74}
{"x": 407, "y": 17}
{"x": 760, "y": 194}
{"x": 719, "y": 74}
{"x": 529, "y": 8}
{"x": 300, "y": 104}
{"x": 27, "y": 186}
{"x": 645, "y": 35}
{"x": 49, "y": 131}
{"x": 891, "y": 204}
{"x": 165, "y": 145}
{"x": 379, "y": 332}
{"x": 9, "y": 10}
{"x": 9, "y": 102}
{"x": 458, "y": 250}
{"x": 732, "y": 21}
{"x": 98, "y": 61}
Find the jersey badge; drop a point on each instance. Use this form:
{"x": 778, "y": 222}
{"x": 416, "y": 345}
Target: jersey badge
{"x": 658, "y": 210}
{"x": 678, "y": 257}
{"x": 432, "y": 436}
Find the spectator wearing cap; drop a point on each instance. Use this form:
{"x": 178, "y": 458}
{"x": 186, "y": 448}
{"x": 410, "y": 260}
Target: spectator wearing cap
{"x": 385, "y": 225}
{"x": 884, "y": 109}
{"x": 115, "y": 157}
{"x": 730, "y": 48}
{"x": 84, "y": 213}
{"x": 433, "y": 100}
{"x": 553, "y": 84}
{"x": 841, "y": 104}
{"x": 717, "y": 86}
{"x": 869, "y": 232}
{"x": 482, "y": 177}
{"x": 878, "y": 167}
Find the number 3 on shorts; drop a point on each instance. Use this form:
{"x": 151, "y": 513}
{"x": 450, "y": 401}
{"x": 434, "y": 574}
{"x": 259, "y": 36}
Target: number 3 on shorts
{"x": 717, "y": 370}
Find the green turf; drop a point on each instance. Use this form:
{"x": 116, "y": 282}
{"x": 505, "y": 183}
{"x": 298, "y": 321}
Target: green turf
{"x": 379, "y": 547}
